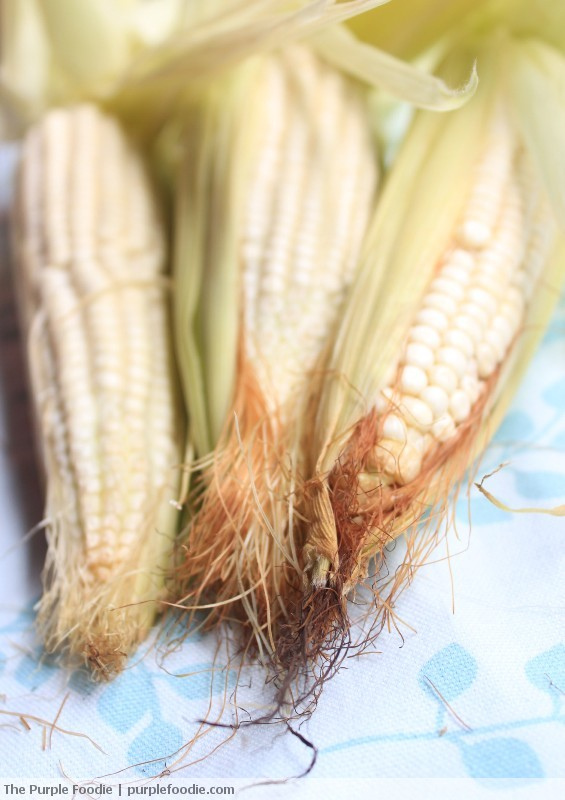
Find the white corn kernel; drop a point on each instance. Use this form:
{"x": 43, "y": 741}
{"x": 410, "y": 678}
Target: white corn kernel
{"x": 501, "y": 324}
{"x": 459, "y": 405}
{"x": 457, "y": 274}
{"x": 432, "y": 317}
{"x": 443, "y": 376}
{"x": 394, "y": 428}
{"x": 461, "y": 258}
{"x": 471, "y": 386}
{"x": 443, "y": 428}
{"x": 460, "y": 340}
{"x": 448, "y": 287}
{"x": 425, "y": 334}
{"x": 441, "y": 302}
{"x": 401, "y": 462}
{"x": 436, "y": 398}
{"x": 470, "y": 326}
{"x": 453, "y": 358}
{"x": 416, "y": 412}
{"x": 419, "y": 355}
{"x": 474, "y": 233}
{"x": 417, "y": 440}
{"x": 486, "y": 360}
{"x": 498, "y": 343}
{"x": 413, "y": 380}
{"x": 476, "y": 312}
{"x": 482, "y": 299}
{"x": 515, "y": 299}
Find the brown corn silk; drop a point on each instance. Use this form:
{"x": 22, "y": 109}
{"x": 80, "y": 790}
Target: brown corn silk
{"x": 90, "y": 258}
{"x": 275, "y": 194}
{"x": 459, "y": 272}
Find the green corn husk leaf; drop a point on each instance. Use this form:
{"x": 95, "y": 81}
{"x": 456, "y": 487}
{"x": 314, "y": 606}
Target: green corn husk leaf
{"x": 407, "y": 29}
{"x": 413, "y": 27}
{"x": 58, "y": 51}
{"x": 398, "y": 78}
{"x": 91, "y": 45}
{"x": 233, "y": 32}
{"x": 89, "y": 49}
{"x": 536, "y": 77}
{"x": 537, "y": 18}
{"x": 207, "y": 312}
{"x": 202, "y": 52}
{"x": 23, "y": 80}
{"x": 137, "y": 58}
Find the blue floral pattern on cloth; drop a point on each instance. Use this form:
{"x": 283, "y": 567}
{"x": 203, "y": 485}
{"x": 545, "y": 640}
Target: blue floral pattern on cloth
{"x": 134, "y": 696}
{"x": 488, "y": 754}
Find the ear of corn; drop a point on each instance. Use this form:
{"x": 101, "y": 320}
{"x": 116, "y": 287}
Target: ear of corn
{"x": 275, "y": 195}
{"x": 456, "y": 284}
{"x": 91, "y": 260}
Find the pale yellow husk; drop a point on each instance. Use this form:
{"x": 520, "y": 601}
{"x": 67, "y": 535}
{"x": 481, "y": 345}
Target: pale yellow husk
{"x": 137, "y": 57}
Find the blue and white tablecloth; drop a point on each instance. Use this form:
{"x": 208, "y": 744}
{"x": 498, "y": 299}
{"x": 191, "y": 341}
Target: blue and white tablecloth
{"x": 469, "y": 701}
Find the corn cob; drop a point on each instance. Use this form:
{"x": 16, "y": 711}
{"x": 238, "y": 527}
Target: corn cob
{"x": 91, "y": 259}
{"x": 448, "y": 301}
{"x": 295, "y": 192}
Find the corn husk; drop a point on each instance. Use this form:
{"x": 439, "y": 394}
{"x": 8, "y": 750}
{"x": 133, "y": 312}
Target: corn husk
{"x": 137, "y": 57}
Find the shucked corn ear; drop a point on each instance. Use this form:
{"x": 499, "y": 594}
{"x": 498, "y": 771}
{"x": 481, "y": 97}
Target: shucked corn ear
{"x": 275, "y": 196}
{"x": 91, "y": 260}
{"x": 460, "y": 270}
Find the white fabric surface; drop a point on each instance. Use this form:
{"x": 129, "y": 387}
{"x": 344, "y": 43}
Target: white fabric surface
{"x": 497, "y": 656}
